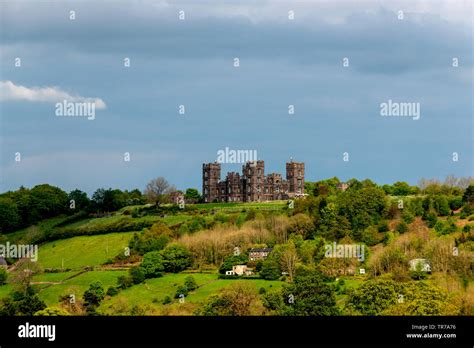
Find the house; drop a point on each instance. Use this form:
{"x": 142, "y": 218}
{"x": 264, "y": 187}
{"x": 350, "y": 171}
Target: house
{"x": 177, "y": 197}
{"x": 342, "y": 186}
{"x": 239, "y": 270}
{"x": 420, "y": 265}
{"x": 259, "y": 253}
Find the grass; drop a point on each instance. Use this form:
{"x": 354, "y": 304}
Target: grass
{"x": 37, "y": 229}
{"x": 78, "y": 285}
{"x": 153, "y": 291}
{"x": 78, "y": 252}
{"x": 273, "y": 205}
{"x": 52, "y": 277}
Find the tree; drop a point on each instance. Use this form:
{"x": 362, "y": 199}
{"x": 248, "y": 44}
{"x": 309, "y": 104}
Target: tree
{"x": 94, "y": 295}
{"x": 176, "y": 258}
{"x": 308, "y": 295}
{"x": 137, "y": 274}
{"x": 270, "y": 270}
{"x": 190, "y": 283}
{"x": 373, "y": 297}
{"x": 152, "y": 264}
{"x": 9, "y": 216}
{"x": 288, "y": 260}
{"x": 153, "y": 239}
{"x": 192, "y": 195}
{"x": 231, "y": 261}
{"x": 81, "y": 201}
{"x": 48, "y": 201}
{"x": 468, "y": 196}
{"x": 402, "y": 227}
{"x": 301, "y": 224}
{"x": 182, "y": 290}
{"x": 239, "y": 299}
{"x": 157, "y": 191}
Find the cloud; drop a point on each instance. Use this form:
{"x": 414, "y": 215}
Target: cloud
{"x": 10, "y": 91}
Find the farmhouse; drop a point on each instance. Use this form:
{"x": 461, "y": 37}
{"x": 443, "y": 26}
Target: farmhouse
{"x": 239, "y": 270}
{"x": 259, "y": 253}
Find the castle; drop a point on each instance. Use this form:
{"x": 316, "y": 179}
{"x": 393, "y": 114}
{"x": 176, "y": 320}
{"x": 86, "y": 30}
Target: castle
{"x": 253, "y": 185}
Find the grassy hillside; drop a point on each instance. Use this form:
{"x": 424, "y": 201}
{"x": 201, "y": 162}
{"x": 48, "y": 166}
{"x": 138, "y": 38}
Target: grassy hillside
{"x": 78, "y": 252}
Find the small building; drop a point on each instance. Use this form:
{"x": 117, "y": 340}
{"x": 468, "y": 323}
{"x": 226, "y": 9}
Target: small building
{"x": 239, "y": 270}
{"x": 177, "y": 197}
{"x": 342, "y": 186}
{"x": 420, "y": 265}
{"x": 259, "y": 253}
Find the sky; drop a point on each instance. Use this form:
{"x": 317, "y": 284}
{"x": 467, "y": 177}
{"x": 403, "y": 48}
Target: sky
{"x": 405, "y": 57}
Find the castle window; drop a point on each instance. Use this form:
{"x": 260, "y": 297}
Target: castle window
{"x": 205, "y": 174}
{"x": 277, "y": 189}
{"x": 259, "y": 171}
{"x": 205, "y": 191}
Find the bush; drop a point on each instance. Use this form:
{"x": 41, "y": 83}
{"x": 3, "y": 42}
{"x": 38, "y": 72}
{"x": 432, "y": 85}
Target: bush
{"x": 137, "y": 274}
{"x": 402, "y": 227}
{"x": 181, "y": 290}
{"x": 270, "y": 270}
{"x": 152, "y": 264}
{"x": 124, "y": 282}
{"x": 383, "y": 226}
{"x": 112, "y": 291}
{"x": 262, "y": 291}
{"x": 3, "y": 275}
{"x": 176, "y": 258}
{"x": 408, "y": 217}
{"x": 190, "y": 283}
{"x": 167, "y": 300}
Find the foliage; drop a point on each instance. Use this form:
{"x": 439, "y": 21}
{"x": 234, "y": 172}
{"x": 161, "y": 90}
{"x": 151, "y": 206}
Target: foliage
{"x": 153, "y": 264}
{"x": 308, "y": 295}
{"x": 231, "y": 261}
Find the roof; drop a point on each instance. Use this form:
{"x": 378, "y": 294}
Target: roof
{"x": 259, "y": 250}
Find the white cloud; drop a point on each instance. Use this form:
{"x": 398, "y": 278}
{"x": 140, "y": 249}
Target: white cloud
{"x": 10, "y": 91}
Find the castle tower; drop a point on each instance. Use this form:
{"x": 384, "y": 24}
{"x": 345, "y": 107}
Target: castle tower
{"x": 254, "y": 181}
{"x": 211, "y": 175}
{"x": 295, "y": 177}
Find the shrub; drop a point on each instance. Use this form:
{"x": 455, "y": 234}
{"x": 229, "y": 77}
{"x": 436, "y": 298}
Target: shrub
{"x": 3, "y": 276}
{"x": 112, "y": 291}
{"x": 152, "y": 264}
{"x": 124, "y": 282}
{"x": 167, "y": 300}
{"x": 176, "y": 258}
{"x": 190, "y": 283}
{"x": 137, "y": 274}
{"x": 402, "y": 227}
{"x": 181, "y": 290}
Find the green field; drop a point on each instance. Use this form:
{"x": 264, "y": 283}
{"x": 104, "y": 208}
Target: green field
{"x": 78, "y": 252}
{"x": 274, "y": 205}
{"x": 78, "y": 285}
{"x": 153, "y": 291}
